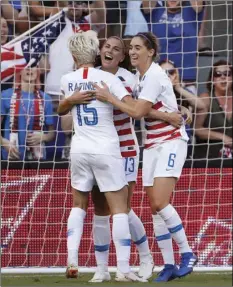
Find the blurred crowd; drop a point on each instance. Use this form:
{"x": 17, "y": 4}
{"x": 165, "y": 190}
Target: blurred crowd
{"x": 30, "y": 127}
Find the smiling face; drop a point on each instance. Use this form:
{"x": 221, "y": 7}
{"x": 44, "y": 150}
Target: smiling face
{"x": 139, "y": 54}
{"x": 4, "y": 31}
{"x": 222, "y": 78}
{"x": 112, "y": 53}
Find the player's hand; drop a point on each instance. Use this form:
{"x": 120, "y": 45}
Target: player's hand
{"x": 79, "y": 98}
{"x": 175, "y": 119}
{"x": 187, "y": 115}
{"x": 102, "y": 94}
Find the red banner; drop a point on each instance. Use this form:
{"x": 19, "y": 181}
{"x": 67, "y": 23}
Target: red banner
{"x": 36, "y": 205}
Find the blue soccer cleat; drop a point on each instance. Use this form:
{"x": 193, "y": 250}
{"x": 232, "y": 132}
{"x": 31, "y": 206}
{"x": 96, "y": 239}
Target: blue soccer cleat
{"x": 168, "y": 273}
{"x": 188, "y": 261}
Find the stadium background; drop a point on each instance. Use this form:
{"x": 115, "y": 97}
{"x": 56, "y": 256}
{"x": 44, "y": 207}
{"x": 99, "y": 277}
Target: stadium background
{"x": 36, "y": 197}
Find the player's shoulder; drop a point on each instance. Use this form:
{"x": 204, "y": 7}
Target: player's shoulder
{"x": 125, "y": 74}
{"x": 155, "y": 72}
{"x": 105, "y": 76}
{"x": 74, "y": 75}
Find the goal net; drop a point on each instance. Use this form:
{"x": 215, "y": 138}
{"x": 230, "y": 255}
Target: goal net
{"x": 35, "y": 188}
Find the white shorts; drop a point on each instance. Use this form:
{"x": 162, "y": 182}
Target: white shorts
{"x": 105, "y": 170}
{"x": 131, "y": 168}
{"x": 164, "y": 160}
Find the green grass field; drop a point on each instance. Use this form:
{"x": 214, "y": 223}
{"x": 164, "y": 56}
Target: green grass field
{"x": 196, "y": 279}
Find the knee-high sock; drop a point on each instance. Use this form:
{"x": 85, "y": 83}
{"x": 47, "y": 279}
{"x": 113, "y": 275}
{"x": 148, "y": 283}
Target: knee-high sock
{"x": 102, "y": 239}
{"x": 74, "y": 234}
{"x": 122, "y": 239}
{"x": 138, "y": 235}
{"x": 175, "y": 227}
{"x": 164, "y": 239}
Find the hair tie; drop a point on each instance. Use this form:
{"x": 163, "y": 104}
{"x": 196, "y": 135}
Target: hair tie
{"x": 147, "y": 38}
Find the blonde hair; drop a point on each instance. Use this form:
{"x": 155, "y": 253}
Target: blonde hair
{"x": 84, "y": 47}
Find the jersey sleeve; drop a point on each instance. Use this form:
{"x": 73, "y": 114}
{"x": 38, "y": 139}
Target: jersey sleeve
{"x": 118, "y": 89}
{"x": 151, "y": 88}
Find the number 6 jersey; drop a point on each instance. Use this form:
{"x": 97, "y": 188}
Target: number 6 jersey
{"x": 94, "y": 128}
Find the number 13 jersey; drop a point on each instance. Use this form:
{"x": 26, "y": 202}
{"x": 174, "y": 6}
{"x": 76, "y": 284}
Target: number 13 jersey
{"x": 94, "y": 128}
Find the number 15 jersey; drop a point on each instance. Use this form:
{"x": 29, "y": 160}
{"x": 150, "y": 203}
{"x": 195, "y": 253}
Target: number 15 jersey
{"x": 94, "y": 128}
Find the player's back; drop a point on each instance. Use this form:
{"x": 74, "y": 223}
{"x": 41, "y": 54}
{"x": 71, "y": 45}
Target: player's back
{"x": 95, "y": 132}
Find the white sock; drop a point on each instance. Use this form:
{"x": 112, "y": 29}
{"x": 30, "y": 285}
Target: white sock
{"x": 74, "y": 234}
{"x": 138, "y": 235}
{"x": 102, "y": 239}
{"x": 164, "y": 239}
{"x": 122, "y": 240}
{"x": 174, "y": 225}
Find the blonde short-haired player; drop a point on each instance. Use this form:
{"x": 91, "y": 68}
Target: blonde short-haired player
{"x": 95, "y": 151}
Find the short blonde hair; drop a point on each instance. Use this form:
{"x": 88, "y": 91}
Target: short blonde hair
{"x": 84, "y": 47}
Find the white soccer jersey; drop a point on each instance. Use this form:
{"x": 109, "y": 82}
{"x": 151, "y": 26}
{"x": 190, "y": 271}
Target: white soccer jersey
{"x": 156, "y": 87}
{"x": 95, "y": 132}
{"x": 123, "y": 123}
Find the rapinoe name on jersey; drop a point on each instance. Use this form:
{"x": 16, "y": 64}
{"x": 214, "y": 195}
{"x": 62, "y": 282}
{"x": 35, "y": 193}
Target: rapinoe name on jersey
{"x": 84, "y": 86}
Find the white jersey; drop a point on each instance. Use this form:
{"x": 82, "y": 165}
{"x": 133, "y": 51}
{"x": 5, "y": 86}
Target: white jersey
{"x": 123, "y": 123}
{"x": 156, "y": 87}
{"x": 95, "y": 132}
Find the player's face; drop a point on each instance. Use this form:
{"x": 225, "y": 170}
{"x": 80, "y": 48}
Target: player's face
{"x": 4, "y": 31}
{"x": 76, "y": 10}
{"x": 222, "y": 78}
{"x": 139, "y": 54}
{"x": 112, "y": 53}
{"x": 29, "y": 75}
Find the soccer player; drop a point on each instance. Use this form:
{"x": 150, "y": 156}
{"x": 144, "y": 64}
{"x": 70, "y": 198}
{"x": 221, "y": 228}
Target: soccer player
{"x": 164, "y": 153}
{"x": 95, "y": 152}
{"x": 113, "y": 57}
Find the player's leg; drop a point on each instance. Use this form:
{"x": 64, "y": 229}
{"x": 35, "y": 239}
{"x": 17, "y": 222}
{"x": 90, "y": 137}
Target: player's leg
{"x": 82, "y": 181}
{"x": 168, "y": 170}
{"x": 137, "y": 230}
{"x": 110, "y": 177}
{"x": 102, "y": 235}
{"x": 75, "y": 230}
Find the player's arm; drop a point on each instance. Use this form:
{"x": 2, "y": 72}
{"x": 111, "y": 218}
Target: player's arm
{"x": 98, "y": 12}
{"x": 174, "y": 118}
{"x": 136, "y": 111}
{"x": 67, "y": 124}
{"x": 77, "y": 98}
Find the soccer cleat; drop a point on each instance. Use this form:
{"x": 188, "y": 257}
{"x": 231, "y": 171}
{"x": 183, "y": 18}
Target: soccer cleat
{"x": 168, "y": 273}
{"x": 188, "y": 261}
{"x": 146, "y": 268}
{"x": 100, "y": 276}
{"x": 72, "y": 271}
{"x": 128, "y": 277}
